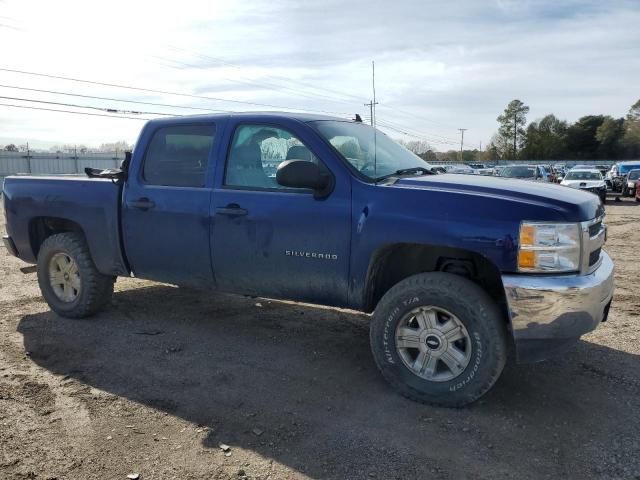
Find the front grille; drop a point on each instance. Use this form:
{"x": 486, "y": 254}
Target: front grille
{"x": 594, "y": 229}
{"x": 594, "y": 256}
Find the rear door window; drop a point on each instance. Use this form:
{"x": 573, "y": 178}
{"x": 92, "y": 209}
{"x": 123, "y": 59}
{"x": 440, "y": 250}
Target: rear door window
{"x": 178, "y": 155}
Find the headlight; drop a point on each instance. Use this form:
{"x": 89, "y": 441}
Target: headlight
{"x": 630, "y": 184}
{"x": 549, "y": 247}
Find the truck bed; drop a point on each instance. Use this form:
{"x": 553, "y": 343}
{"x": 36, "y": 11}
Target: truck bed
{"x": 89, "y": 204}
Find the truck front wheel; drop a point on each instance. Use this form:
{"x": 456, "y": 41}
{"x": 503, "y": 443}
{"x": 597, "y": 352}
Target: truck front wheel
{"x": 438, "y": 338}
{"x": 68, "y": 278}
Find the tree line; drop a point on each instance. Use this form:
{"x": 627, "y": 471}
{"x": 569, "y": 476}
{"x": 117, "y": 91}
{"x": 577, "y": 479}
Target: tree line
{"x": 120, "y": 146}
{"x": 591, "y": 137}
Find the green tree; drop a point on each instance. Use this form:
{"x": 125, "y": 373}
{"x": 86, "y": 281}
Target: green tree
{"x": 546, "y": 139}
{"x": 512, "y": 122}
{"x": 610, "y": 135}
{"x": 581, "y": 137}
{"x": 491, "y": 153}
{"x": 631, "y": 138}
{"x": 502, "y": 145}
{"x": 11, "y": 148}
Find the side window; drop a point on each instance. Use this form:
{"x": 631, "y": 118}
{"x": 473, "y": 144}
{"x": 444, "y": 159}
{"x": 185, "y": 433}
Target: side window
{"x": 256, "y": 152}
{"x": 178, "y": 156}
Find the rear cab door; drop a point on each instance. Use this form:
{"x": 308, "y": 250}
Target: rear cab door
{"x": 166, "y": 201}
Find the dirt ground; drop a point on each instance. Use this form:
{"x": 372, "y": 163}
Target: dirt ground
{"x": 156, "y": 383}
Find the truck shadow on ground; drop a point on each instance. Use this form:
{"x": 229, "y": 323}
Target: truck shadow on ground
{"x": 304, "y": 377}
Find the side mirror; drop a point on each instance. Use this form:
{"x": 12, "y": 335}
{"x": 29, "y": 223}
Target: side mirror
{"x": 304, "y": 174}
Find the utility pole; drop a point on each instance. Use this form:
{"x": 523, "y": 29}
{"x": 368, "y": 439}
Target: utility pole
{"x": 515, "y": 135}
{"x": 481, "y": 145}
{"x": 373, "y": 84}
{"x": 371, "y": 106}
{"x": 28, "y": 159}
{"x": 462, "y": 130}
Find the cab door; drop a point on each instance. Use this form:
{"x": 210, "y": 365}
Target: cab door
{"x": 166, "y": 201}
{"x": 273, "y": 241}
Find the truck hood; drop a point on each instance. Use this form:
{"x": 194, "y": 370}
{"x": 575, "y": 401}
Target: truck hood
{"x": 568, "y": 203}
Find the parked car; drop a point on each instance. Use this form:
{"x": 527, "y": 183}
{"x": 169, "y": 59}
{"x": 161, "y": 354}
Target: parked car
{"x": 525, "y": 172}
{"x": 637, "y": 191}
{"x": 450, "y": 168}
{"x": 589, "y": 180}
{"x": 551, "y": 171}
{"x": 618, "y": 176}
{"x": 481, "y": 169}
{"x": 632, "y": 179}
{"x": 497, "y": 170}
{"x": 561, "y": 172}
{"x": 459, "y": 168}
{"x": 489, "y": 264}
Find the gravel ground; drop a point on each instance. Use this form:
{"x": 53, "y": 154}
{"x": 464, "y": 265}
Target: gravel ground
{"x": 159, "y": 381}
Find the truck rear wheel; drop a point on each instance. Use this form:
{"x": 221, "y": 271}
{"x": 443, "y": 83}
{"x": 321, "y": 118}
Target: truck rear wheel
{"x": 438, "y": 338}
{"x": 68, "y": 278}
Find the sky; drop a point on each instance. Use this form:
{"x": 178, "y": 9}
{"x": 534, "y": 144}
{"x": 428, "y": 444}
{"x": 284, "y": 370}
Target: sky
{"x": 439, "y": 66}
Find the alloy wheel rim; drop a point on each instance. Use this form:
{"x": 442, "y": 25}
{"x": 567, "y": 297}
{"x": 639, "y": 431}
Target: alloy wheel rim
{"x": 64, "y": 277}
{"x": 433, "y": 344}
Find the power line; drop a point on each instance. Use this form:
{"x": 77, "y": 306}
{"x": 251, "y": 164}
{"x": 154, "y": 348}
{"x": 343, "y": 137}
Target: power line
{"x": 414, "y": 133}
{"x": 412, "y": 115}
{"x": 417, "y": 135}
{"x": 261, "y": 84}
{"x": 275, "y": 77}
{"x": 434, "y": 135}
{"x": 69, "y": 111}
{"x": 165, "y": 92}
{"x": 104, "y": 109}
{"x": 55, "y": 92}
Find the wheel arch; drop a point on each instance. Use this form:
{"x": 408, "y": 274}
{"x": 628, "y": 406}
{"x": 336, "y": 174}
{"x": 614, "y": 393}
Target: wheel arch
{"x": 42, "y": 227}
{"x": 393, "y": 263}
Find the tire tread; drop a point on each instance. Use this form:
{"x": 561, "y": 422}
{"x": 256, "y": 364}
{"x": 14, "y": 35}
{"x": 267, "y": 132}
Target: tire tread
{"x": 97, "y": 288}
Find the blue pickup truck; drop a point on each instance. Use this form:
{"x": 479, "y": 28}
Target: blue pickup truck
{"x": 460, "y": 271}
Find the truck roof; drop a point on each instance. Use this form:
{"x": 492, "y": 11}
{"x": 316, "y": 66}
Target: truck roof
{"x": 257, "y": 116}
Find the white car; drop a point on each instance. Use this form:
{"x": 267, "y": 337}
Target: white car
{"x": 586, "y": 179}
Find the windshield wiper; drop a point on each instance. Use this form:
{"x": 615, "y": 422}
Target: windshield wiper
{"x": 407, "y": 171}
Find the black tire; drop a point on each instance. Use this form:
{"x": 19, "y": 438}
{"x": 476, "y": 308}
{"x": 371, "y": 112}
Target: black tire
{"x": 95, "y": 290}
{"x": 473, "y": 308}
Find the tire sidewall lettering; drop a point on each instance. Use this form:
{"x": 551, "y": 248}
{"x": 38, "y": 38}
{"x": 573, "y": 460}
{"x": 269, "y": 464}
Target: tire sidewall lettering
{"x": 391, "y": 356}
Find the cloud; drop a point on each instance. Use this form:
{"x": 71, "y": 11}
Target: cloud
{"x": 439, "y": 65}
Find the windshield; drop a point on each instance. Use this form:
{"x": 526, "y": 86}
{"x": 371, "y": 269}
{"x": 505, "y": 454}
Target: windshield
{"x": 634, "y": 174}
{"x": 518, "y": 172}
{"x": 373, "y": 157}
{"x": 624, "y": 169}
{"x": 583, "y": 176}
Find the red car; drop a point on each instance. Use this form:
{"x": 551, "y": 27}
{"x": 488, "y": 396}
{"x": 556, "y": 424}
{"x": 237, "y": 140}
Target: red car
{"x": 638, "y": 192}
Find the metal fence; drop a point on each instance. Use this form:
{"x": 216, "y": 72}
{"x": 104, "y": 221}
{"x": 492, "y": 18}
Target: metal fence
{"x": 52, "y": 163}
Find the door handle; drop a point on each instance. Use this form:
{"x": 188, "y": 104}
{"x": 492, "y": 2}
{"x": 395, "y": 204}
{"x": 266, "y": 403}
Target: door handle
{"x": 142, "y": 203}
{"x": 233, "y": 210}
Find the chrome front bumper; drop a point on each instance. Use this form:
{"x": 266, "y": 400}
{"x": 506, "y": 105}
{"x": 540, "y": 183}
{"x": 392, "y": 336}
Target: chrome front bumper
{"x": 550, "y": 313}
